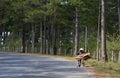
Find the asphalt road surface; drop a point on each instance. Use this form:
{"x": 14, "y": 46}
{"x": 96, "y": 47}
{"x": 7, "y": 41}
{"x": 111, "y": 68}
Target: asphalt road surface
{"x": 26, "y": 66}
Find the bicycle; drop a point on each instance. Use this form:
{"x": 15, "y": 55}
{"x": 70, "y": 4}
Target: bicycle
{"x": 81, "y": 59}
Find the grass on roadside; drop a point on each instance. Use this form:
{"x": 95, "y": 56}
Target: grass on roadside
{"x": 70, "y": 58}
{"x": 108, "y": 70}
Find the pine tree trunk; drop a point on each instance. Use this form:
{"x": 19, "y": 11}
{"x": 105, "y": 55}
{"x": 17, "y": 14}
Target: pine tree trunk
{"x": 23, "y": 31}
{"x": 119, "y": 15}
{"x": 3, "y": 34}
{"x": 98, "y": 34}
{"x": 23, "y": 39}
{"x": 119, "y": 57}
{"x": 51, "y": 40}
{"x": 41, "y": 38}
{"x": 33, "y": 37}
{"x": 86, "y": 39}
{"x": 76, "y": 32}
{"x": 59, "y": 47}
{"x": 112, "y": 56}
{"x": 48, "y": 39}
{"x": 54, "y": 42}
{"x": 103, "y": 31}
{"x": 44, "y": 36}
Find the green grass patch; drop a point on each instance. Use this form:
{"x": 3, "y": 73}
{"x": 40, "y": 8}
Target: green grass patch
{"x": 70, "y": 58}
{"x": 109, "y": 69}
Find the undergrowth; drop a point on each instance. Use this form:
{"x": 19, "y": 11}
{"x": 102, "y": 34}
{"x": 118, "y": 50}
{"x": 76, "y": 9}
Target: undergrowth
{"x": 110, "y": 69}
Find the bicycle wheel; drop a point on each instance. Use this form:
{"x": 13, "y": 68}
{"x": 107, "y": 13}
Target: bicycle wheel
{"x": 79, "y": 63}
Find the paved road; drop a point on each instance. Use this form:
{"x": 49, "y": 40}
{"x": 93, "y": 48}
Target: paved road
{"x": 26, "y": 66}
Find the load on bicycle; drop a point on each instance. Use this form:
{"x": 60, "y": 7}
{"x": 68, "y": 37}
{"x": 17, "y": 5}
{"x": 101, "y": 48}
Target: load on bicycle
{"x": 82, "y": 56}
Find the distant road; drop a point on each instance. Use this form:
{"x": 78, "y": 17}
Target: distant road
{"x": 26, "y": 66}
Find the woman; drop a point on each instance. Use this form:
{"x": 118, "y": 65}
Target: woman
{"x": 81, "y": 51}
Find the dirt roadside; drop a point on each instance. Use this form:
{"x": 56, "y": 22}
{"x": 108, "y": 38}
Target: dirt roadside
{"x": 92, "y": 69}
{"x": 96, "y": 73}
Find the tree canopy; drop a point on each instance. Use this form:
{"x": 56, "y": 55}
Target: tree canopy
{"x": 53, "y": 24}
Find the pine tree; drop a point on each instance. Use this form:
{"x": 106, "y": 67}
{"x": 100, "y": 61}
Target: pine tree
{"x": 103, "y": 32}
